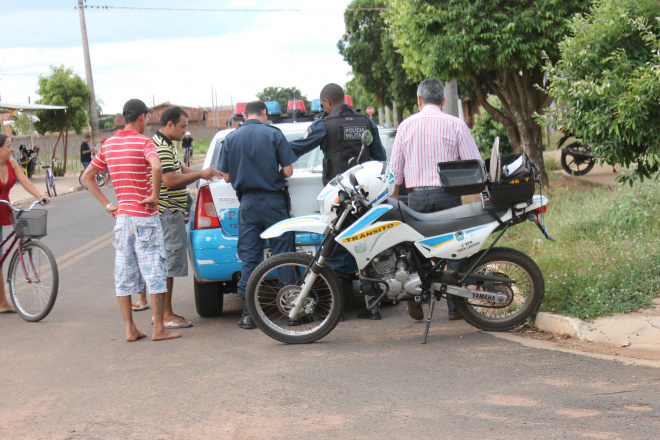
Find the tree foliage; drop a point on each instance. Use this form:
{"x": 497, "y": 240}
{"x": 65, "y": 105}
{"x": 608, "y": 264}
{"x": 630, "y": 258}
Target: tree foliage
{"x": 496, "y": 44}
{"x": 368, "y": 48}
{"x": 608, "y": 82}
{"x": 361, "y": 98}
{"x": 283, "y": 95}
{"x": 62, "y": 87}
{"x": 486, "y": 129}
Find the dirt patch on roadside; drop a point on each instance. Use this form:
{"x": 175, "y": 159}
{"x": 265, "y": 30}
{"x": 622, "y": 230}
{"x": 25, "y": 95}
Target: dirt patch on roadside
{"x": 566, "y": 342}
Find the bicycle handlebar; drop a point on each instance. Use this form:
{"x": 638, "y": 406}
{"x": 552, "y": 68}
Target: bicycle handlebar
{"x": 15, "y": 209}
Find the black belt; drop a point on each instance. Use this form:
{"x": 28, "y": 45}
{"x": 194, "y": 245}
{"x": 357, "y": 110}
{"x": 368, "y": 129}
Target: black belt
{"x": 423, "y": 188}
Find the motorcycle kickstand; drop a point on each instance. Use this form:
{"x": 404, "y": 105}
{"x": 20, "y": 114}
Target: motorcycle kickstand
{"x": 428, "y": 320}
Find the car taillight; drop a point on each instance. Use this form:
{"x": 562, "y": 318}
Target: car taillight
{"x": 542, "y": 209}
{"x": 205, "y": 215}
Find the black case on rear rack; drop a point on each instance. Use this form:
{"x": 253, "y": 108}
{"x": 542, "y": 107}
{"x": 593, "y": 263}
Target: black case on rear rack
{"x": 515, "y": 188}
{"x": 462, "y": 177}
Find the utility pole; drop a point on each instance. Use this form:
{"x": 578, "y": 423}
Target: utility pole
{"x": 93, "y": 113}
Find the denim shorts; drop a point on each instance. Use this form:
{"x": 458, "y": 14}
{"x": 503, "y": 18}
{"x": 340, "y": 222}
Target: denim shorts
{"x": 139, "y": 255}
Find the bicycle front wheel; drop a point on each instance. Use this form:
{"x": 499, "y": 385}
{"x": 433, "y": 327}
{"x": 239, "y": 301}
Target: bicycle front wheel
{"x": 80, "y": 179}
{"x": 100, "y": 179}
{"x": 50, "y": 194}
{"x": 52, "y": 184}
{"x": 33, "y": 280}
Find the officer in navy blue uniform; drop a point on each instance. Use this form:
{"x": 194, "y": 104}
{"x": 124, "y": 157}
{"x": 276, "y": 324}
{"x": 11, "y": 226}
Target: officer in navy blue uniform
{"x": 256, "y": 158}
{"x": 339, "y": 134}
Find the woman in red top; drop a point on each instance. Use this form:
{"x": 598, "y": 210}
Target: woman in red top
{"x": 9, "y": 172}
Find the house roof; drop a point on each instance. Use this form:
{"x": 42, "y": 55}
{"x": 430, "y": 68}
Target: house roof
{"x": 194, "y": 114}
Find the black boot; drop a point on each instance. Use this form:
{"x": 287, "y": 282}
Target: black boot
{"x": 373, "y": 314}
{"x": 246, "y": 321}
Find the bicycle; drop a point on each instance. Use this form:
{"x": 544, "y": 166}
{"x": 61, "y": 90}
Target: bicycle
{"x": 187, "y": 156}
{"x": 32, "y": 276}
{"x": 50, "y": 181}
{"x": 100, "y": 179}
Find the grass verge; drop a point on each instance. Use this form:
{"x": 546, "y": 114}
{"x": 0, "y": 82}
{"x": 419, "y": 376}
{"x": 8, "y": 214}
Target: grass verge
{"x": 605, "y": 259}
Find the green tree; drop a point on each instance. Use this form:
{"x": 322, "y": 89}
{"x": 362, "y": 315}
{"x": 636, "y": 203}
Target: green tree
{"x": 486, "y": 128}
{"x": 608, "y": 82}
{"x": 361, "y": 98}
{"x": 496, "y": 44}
{"x": 283, "y": 95}
{"x": 369, "y": 50}
{"x": 62, "y": 87}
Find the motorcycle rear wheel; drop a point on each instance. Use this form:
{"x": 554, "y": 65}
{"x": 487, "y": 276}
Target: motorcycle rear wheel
{"x": 525, "y": 292}
{"x": 577, "y": 165}
{"x": 272, "y": 289}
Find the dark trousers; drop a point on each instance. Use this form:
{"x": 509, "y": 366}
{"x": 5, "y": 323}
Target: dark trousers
{"x": 341, "y": 262}
{"x": 258, "y": 212}
{"x": 433, "y": 200}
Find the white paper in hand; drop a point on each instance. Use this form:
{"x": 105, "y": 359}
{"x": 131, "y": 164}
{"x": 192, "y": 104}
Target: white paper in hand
{"x": 495, "y": 161}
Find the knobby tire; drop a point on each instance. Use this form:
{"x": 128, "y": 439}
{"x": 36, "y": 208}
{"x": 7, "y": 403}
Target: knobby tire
{"x": 269, "y": 299}
{"x": 525, "y": 293}
{"x": 568, "y": 160}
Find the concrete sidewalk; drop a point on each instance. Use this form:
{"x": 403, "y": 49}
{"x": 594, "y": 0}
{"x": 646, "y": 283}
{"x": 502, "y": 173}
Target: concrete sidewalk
{"x": 63, "y": 185}
{"x": 66, "y": 184}
{"x": 638, "y": 330}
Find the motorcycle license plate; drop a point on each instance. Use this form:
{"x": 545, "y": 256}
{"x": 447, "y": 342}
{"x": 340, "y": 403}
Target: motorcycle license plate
{"x": 311, "y": 250}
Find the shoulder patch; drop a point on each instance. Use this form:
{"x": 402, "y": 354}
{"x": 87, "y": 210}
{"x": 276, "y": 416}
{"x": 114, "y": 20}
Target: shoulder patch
{"x": 308, "y": 132}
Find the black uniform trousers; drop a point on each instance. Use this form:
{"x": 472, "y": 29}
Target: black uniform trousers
{"x": 258, "y": 212}
{"x": 434, "y": 200}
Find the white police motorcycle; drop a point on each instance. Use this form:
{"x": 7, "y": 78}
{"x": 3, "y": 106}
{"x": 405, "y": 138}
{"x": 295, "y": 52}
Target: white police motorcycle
{"x": 403, "y": 255}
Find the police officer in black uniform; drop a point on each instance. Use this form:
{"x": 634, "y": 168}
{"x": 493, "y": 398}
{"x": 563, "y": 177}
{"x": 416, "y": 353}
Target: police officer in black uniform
{"x": 255, "y": 159}
{"x": 339, "y": 135}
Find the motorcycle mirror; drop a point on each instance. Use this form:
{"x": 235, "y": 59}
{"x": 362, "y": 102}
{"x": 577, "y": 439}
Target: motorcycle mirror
{"x": 353, "y": 180}
{"x": 367, "y": 139}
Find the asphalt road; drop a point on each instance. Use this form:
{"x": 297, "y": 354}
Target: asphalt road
{"x": 72, "y": 375}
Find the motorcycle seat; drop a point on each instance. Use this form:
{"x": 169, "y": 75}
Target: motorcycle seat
{"x": 442, "y": 222}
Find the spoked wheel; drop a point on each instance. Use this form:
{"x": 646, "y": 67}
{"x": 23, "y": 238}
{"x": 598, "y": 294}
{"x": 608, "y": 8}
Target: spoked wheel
{"x": 100, "y": 179}
{"x": 524, "y": 291}
{"x": 52, "y": 186}
{"x": 48, "y": 189}
{"x": 273, "y": 289}
{"x": 33, "y": 283}
{"x": 79, "y": 179}
{"x": 576, "y": 164}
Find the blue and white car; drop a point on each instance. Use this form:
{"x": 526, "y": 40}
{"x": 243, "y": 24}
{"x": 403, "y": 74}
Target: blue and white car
{"x": 213, "y": 228}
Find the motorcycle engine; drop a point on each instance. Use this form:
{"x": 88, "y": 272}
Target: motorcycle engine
{"x": 393, "y": 270}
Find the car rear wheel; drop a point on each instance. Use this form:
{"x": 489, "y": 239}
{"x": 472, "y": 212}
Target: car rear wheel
{"x": 209, "y": 298}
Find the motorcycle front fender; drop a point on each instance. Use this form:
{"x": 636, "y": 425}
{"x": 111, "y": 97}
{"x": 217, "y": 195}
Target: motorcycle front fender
{"x": 308, "y": 223}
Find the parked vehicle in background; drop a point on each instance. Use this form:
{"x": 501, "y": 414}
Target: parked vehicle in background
{"x": 577, "y": 159}
{"x": 213, "y": 229}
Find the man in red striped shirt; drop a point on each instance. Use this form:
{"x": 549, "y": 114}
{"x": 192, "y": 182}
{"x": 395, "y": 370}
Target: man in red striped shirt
{"x": 138, "y": 240}
{"x": 421, "y": 141}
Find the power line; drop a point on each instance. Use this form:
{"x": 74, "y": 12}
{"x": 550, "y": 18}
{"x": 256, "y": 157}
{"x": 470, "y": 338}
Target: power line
{"x": 229, "y": 10}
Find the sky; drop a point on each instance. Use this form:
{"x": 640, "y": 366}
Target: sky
{"x": 230, "y": 52}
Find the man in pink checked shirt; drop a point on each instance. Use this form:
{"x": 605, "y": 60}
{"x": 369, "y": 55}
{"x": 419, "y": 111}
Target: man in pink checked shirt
{"x": 423, "y": 140}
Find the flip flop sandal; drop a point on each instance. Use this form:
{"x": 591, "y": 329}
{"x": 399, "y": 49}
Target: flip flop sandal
{"x": 181, "y": 318}
{"x": 172, "y": 325}
{"x": 137, "y": 307}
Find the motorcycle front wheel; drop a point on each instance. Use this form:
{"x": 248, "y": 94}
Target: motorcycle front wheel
{"x": 577, "y": 165}
{"x": 274, "y": 287}
{"x": 524, "y": 291}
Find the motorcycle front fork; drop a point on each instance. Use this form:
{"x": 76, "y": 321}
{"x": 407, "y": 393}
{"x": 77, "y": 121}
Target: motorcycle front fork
{"x": 327, "y": 247}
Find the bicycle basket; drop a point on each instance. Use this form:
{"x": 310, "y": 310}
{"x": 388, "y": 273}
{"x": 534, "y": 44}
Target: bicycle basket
{"x": 30, "y": 224}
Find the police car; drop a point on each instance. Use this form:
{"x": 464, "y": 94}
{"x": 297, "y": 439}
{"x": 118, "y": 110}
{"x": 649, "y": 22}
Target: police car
{"x": 213, "y": 229}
